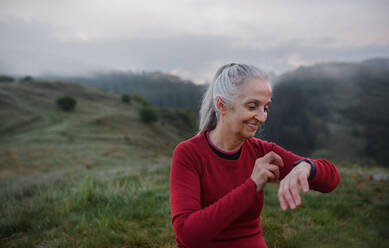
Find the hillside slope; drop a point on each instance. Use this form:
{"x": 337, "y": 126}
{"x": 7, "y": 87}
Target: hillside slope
{"x": 102, "y": 128}
{"x": 52, "y": 162}
{"x": 163, "y": 90}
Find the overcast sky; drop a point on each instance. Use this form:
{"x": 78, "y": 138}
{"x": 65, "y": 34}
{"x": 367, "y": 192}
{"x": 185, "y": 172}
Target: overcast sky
{"x": 190, "y": 38}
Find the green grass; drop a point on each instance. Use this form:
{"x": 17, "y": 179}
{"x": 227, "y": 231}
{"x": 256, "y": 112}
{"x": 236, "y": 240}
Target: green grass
{"x": 354, "y": 215}
{"x": 123, "y": 207}
{"x": 98, "y": 177}
{"x": 114, "y": 210}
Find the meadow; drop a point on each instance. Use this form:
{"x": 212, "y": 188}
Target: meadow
{"x": 98, "y": 177}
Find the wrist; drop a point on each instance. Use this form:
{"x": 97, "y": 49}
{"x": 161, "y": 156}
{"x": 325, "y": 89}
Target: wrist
{"x": 308, "y": 165}
{"x": 258, "y": 183}
{"x": 305, "y": 167}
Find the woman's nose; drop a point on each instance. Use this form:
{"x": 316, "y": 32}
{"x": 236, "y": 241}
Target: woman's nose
{"x": 261, "y": 116}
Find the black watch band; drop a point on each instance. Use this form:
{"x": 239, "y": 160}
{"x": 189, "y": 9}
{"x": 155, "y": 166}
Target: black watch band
{"x": 313, "y": 167}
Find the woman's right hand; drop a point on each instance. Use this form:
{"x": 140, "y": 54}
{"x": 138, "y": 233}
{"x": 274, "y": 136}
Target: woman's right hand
{"x": 266, "y": 169}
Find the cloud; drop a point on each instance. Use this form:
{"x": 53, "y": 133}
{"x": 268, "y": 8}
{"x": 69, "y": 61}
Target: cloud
{"x": 193, "y": 38}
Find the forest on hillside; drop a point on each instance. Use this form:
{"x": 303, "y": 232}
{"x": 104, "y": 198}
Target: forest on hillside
{"x": 338, "y": 110}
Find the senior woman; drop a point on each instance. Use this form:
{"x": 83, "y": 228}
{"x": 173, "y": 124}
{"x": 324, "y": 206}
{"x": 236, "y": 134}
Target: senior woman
{"x": 217, "y": 177}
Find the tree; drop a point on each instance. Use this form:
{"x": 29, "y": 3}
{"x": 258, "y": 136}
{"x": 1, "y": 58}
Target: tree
{"x": 126, "y": 98}
{"x": 183, "y": 119}
{"x": 289, "y": 122}
{"x": 141, "y": 99}
{"x": 5, "y": 78}
{"x": 26, "y": 79}
{"x": 148, "y": 114}
{"x": 66, "y": 103}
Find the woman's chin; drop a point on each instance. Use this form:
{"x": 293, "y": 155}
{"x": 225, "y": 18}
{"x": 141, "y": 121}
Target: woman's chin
{"x": 250, "y": 134}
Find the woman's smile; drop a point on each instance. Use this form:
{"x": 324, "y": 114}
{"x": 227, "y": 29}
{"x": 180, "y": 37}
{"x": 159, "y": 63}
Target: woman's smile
{"x": 252, "y": 126}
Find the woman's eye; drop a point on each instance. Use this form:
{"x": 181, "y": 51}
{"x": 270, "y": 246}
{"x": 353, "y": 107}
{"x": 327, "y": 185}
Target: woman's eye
{"x": 252, "y": 107}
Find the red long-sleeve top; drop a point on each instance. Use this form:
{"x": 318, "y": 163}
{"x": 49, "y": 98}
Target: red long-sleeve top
{"x": 214, "y": 202}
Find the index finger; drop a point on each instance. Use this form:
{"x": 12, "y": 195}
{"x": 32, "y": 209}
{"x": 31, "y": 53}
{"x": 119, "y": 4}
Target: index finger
{"x": 274, "y": 158}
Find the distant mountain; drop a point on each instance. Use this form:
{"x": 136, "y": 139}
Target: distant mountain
{"x": 378, "y": 63}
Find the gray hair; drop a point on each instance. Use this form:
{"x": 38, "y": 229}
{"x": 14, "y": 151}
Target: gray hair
{"x": 225, "y": 85}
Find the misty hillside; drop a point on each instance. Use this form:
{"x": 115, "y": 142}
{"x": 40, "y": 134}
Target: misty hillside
{"x": 160, "y": 89}
{"x": 334, "y": 110}
{"x": 29, "y": 114}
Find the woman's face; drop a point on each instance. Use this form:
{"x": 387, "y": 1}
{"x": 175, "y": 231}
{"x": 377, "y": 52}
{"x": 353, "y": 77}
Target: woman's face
{"x": 249, "y": 109}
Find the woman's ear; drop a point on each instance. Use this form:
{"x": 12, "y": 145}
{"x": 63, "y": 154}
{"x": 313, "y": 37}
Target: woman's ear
{"x": 221, "y": 107}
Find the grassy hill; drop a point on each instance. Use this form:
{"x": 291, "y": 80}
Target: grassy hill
{"x": 161, "y": 89}
{"x": 98, "y": 177}
{"x": 48, "y": 157}
{"x": 28, "y": 112}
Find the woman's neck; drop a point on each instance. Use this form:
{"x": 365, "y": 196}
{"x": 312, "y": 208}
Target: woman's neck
{"x": 224, "y": 139}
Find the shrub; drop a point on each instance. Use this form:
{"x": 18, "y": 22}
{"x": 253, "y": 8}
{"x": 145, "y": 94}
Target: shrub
{"x": 126, "y": 98}
{"x": 5, "y": 78}
{"x": 148, "y": 114}
{"x": 26, "y": 79}
{"x": 183, "y": 119}
{"x": 66, "y": 103}
{"x": 141, "y": 99}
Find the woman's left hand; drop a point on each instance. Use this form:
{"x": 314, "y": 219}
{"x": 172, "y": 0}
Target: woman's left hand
{"x": 291, "y": 186}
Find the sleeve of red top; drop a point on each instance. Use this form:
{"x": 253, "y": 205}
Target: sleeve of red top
{"x": 327, "y": 175}
{"x": 194, "y": 226}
